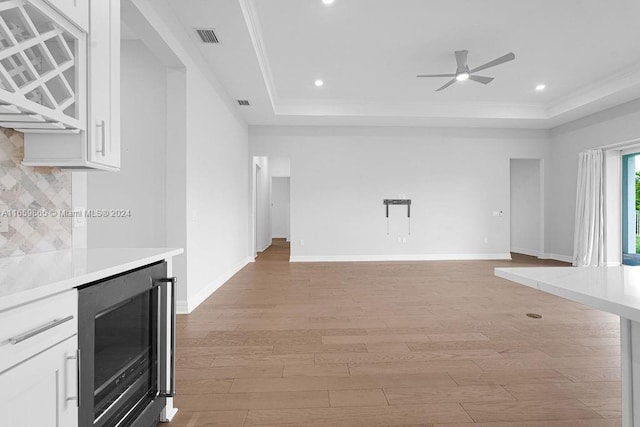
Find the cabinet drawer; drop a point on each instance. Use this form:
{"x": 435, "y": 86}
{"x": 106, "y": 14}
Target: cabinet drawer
{"x": 29, "y": 329}
{"x": 76, "y": 11}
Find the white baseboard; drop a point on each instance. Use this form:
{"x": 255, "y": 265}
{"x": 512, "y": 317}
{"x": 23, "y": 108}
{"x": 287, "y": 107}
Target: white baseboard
{"x": 265, "y": 247}
{"x": 403, "y": 257}
{"x": 529, "y": 252}
{"x": 557, "y": 257}
{"x": 187, "y": 306}
{"x": 182, "y": 307}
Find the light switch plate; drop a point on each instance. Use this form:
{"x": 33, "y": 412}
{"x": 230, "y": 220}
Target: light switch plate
{"x": 4, "y": 224}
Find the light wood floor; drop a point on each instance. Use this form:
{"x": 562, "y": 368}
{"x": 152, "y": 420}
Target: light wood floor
{"x": 393, "y": 344}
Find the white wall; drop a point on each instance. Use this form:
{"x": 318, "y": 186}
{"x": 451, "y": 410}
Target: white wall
{"x": 176, "y": 170}
{"x": 208, "y": 164}
{"x": 139, "y": 187}
{"x": 280, "y": 207}
{"x": 279, "y": 166}
{"x": 456, "y": 178}
{"x": 612, "y": 126}
{"x": 217, "y": 184}
{"x": 525, "y": 206}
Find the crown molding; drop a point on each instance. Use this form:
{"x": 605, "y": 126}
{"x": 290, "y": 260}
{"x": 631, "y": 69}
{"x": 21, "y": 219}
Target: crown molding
{"x": 255, "y": 33}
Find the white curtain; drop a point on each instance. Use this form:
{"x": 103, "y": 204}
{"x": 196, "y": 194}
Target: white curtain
{"x": 588, "y": 237}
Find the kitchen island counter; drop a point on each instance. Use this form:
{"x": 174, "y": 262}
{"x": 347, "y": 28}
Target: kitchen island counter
{"x": 612, "y": 289}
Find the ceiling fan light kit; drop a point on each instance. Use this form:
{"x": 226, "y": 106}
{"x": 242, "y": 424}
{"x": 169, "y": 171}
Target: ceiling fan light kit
{"x": 464, "y": 73}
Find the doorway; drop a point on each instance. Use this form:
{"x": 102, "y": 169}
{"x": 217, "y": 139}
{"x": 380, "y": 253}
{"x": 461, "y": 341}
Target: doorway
{"x": 271, "y": 200}
{"x": 526, "y": 206}
{"x": 281, "y": 208}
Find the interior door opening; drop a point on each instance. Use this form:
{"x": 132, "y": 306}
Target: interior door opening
{"x": 526, "y": 209}
{"x": 271, "y": 200}
{"x": 280, "y": 208}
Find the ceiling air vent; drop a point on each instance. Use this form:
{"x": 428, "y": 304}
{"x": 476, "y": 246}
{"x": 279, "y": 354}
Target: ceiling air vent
{"x": 207, "y": 35}
{"x": 243, "y": 102}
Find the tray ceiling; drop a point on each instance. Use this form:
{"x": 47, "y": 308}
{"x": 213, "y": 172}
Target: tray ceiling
{"x": 368, "y": 52}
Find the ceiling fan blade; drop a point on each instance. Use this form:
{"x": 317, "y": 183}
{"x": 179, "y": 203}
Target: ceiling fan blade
{"x": 461, "y": 59}
{"x": 449, "y": 83}
{"x": 505, "y": 58}
{"x": 436, "y": 75}
{"x": 481, "y": 79}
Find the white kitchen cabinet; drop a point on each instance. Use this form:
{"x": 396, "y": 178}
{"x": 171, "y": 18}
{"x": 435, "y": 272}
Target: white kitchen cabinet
{"x": 98, "y": 145}
{"x": 42, "y": 69}
{"x": 42, "y": 391}
{"x": 38, "y": 362}
{"x": 104, "y": 83}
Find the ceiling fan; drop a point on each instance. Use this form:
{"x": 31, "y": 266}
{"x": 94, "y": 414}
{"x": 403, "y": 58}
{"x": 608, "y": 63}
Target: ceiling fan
{"x": 463, "y": 72}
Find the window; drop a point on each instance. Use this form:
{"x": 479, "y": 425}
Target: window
{"x": 631, "y": 209}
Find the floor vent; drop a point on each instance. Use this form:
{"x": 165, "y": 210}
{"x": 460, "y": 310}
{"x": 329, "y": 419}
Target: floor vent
{"x": 207, "y": 35}
{"x": 243, "y": 102}
{"x": 534, "y": 315}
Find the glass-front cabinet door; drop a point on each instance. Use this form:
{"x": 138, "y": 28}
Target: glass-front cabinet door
{"x": 42, "y": 83}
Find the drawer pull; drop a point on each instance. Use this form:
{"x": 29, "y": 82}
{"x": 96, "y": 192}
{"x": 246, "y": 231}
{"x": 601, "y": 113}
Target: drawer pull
{"x": 39, "y": 330}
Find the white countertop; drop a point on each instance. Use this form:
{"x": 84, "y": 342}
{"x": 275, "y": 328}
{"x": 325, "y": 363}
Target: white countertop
{"x": 31, "y": 277}
{"x": 612, "y": 289}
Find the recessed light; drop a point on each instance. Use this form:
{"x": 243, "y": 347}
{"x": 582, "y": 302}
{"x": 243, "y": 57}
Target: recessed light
{"x": 318, "y": 83}
{"x": 462, "y": 77}
{"x": 540, "y": 87}
{"x": 327, "y": 1}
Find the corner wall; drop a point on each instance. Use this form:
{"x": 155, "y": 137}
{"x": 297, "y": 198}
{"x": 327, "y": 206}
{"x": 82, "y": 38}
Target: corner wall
{"x": 207, "y": 168}
{"x": 217, "y": 184}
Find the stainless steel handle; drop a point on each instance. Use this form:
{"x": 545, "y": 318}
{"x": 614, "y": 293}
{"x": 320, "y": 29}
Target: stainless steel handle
{"x": 39, "y": 330}
{"x": 102, "y": 127}
{"x": 77, "y": 359}
{"x": 172, "y": 345}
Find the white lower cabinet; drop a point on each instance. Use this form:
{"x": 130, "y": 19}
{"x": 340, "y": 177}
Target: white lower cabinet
{"x": 42, "y": 390}
{"x": 39, "y": 364}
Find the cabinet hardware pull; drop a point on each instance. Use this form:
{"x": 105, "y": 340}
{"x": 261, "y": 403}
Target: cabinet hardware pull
{"x": 172, "y": 281}
{"x": 39, "y": 330}
{"x": 77, "y": 396}
{"x": 102, "y": 127}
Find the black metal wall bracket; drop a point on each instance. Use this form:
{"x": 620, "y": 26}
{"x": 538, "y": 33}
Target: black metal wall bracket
{"x": 405, "y": 202}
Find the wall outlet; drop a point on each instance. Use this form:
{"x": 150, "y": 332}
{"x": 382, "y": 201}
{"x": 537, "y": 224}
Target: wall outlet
{"x": 4, "y": 224}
